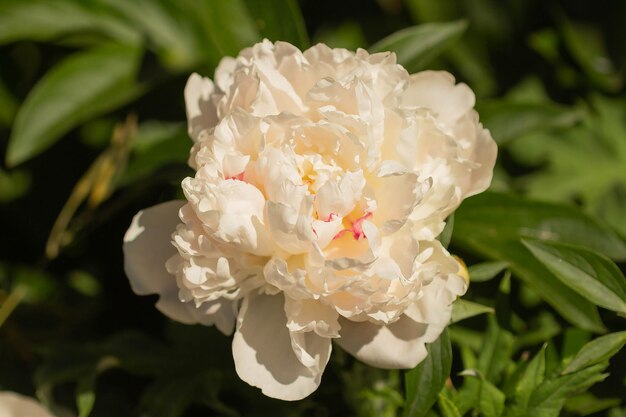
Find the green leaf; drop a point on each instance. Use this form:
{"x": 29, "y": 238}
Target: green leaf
{"x": 463, "y": 309}
{"x": 492, "y": 224}
{"x": 505, "y": 217}
{"x": 85, "y": 395}
{"x": 586, "y": 45}
{"x": 596, "y": 351}
{"x": 8, "y": 106}
{"x": 226, "y": 26}
{"x": 447, "y": 407}
{"x": 280, "y": 20}
{"x": 531, "y": 378}
{"x": 424, "y": 382}
{"x": 417, "y": 46}
{"x": 590, "y": 274}
{"x": 496, "y": 351}
{"x": 508, "y": 120}
{"x": 45, "y": 20}
{"x": 85, "y": 85}
{"x": 13, "y": 185}
{"x": 156, "y": 145}
{"x": 587, "y": 403}
{"x": 548, "y": 398}
{"x": 486, "y": 271}
{"x": 491, "y": 400}
{"x": 172, "y": 38}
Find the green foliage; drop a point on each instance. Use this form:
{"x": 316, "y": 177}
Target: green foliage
{"x": 424, "y": 382}
{"x": 92, "y": 129}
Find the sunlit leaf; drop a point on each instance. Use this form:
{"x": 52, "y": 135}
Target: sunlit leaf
{"x": 463, "y": 309}
{"x": 596, "y": 351}
{"x": 44, "y": 20}
{"x": 590, "y": 274}
{"x": 486, "y": 271}
{"x": 418, "y": 45}
{"x": 83, "y": 86}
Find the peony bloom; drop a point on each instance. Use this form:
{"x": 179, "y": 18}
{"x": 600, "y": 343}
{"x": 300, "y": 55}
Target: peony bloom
{"x": 322, "y": 179}
{"x": 16, "y": 405}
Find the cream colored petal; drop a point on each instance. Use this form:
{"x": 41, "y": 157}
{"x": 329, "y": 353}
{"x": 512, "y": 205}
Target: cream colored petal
{"x": 436, "y": 90}
{"x": 17, "y": 405}
{"x": 399, "y": 345}
{"x": 339, "y": 196}
{"x": 201, "y": 113}
{"x": 308, "y": 315}
{"x": 263, "y": 352}
{"x": 147, "y": 247}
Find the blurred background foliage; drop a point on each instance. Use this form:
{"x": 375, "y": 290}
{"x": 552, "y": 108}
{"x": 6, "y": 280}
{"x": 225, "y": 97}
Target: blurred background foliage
{"x": 92, "y": 130}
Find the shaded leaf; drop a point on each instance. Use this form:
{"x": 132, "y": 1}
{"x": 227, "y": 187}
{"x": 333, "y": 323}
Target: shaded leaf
{"x": 280, "y": 20}
{"x": 491, "y": 401}
{"x": 417, "y": 46}
{"x": 8, "y": 106}
{"x": 447, "y": 407}
{"x": 508, "y": 120}
{"x": 590, "y": 274}
{"x": 83, "y": 86}
{"x": 225, "y": 26}
{"x": 424, "y": 382}
{"x": 548, "y": 398}
{"x": 495, "y": 352}
{"x": 492, "y": 225}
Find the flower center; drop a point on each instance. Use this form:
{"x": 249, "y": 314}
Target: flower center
{"x": 355, "y": 227}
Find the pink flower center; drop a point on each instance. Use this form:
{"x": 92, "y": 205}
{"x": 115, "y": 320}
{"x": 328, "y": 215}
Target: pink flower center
{"x": 356, "y": 227}
{"x": 238, "y": 177}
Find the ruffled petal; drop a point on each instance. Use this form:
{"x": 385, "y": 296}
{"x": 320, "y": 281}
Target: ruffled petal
{"x": 399, "y": 345}
{"x": 263, "y": 352}
{"x": 147, "y": 247}
{"x": 201, "y": 112}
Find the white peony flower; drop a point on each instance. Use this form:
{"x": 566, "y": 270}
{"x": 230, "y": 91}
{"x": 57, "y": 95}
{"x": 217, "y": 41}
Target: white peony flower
{"x": 17, "y": 405}
{"x": 322, "y": 180}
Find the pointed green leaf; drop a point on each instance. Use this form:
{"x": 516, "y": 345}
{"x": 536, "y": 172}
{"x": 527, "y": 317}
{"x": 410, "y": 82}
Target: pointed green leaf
{"x": 424, "y": 382}
{"x": 447, "y": 407}
{"x": 491, "y": 400}
{"x": 548, "y": 398}
{"x": 486, "y": 271}
{"x": 492, "y": 224}
{"x": 596, "y": 351}
{"x": 496, "y": 351}
{"x": 588, "y": 273}
{"x": 83, "y": 86}
{"x": 463, "y": 309}
{"x": 417, "y": 46}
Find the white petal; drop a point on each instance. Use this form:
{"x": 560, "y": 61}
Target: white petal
{"x": 263, "y": 352}
{"x": 201, "y": 113}
{"x": 17, "y": 405}
{"x": 147, "y": 247}
{"x": 399, "y": 345}
{"x": 436, "y": 90}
